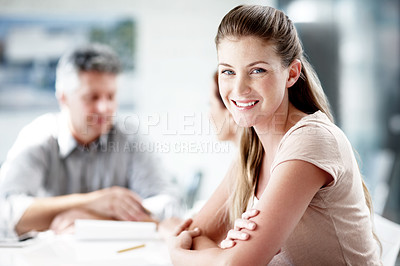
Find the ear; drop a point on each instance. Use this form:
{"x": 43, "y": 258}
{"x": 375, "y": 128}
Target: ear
{"x": 62, "y": 99}
{"x": 294, "y": 73}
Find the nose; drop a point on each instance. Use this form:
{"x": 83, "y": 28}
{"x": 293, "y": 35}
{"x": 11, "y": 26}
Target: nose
{"x": 241, "y": 86}
{"x": 104, "y": 105}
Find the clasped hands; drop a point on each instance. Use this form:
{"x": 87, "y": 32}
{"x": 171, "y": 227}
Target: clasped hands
{"x": 183, "y": 237}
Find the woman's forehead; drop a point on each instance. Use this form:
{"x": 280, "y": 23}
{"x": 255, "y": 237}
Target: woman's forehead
{"x": 246, "y": 49}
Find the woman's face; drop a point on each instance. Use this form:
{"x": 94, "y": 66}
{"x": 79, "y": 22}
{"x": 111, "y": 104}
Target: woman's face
{"x": 252, "y": 80}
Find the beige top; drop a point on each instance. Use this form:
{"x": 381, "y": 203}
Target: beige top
{"x": 336, "y": 227}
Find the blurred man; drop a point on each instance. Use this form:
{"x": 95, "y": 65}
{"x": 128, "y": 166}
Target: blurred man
{"x": 80, "y": 163}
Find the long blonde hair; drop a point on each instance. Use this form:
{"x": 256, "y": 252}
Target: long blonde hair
{"x": 307, "y": 95}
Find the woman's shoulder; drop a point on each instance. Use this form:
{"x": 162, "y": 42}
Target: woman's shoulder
{"x": 315, "y": 128}
{"x": 314, "y": 139}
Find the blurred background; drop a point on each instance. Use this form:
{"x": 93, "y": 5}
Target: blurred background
{"x": 169, "y": 56}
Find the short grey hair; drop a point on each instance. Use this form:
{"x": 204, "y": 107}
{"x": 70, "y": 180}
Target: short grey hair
{"x": 89, "y": 57}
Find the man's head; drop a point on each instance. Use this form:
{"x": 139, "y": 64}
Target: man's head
{"x": 86, "y": 87}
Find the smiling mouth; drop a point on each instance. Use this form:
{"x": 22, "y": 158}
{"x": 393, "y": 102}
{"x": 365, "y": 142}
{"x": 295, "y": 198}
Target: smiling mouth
{"x": 244, "y": 105}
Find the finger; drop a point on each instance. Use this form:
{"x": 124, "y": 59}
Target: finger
{"x": 135, "y": 209}
{"x": 125, "y": 212}
{"x": 250, "y": 214}
{"x": 68, "y": 230}
{"x": 237, "y": 235}
{"x": 191, "y": 233}
{"x": 54, "y": 224}
{"x": 195, "y": 232}
{"x": 244, "y": 224}
{"x": 227, "y": 243}
{"x": 126, "y": 205}
{"x": 60, "y": 225}
{"x": 149, "y": 218}
{"x": 130, "y": 210}
{"x": 144, "y": 216}
{"x": 135, "y": 196}
{"x": 132, "y": 197}
{"x": 183, "y": 226}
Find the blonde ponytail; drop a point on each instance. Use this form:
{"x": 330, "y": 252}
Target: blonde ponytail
{"x": 251, "y": 154}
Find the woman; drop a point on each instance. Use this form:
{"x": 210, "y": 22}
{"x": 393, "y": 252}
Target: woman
{"x": 296, "y": 168}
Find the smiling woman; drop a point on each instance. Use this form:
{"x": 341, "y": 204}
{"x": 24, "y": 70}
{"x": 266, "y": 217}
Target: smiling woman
{"x": 296, "y": 167}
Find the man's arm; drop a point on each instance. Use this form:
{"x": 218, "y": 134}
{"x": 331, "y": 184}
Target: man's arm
{"x": 39, "y": 215}
{"x": 112, "y": 203}
{"x": 22, "y": 174}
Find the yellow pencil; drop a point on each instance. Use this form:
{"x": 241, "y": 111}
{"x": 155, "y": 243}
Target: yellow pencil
{"x": 131, "y": 248}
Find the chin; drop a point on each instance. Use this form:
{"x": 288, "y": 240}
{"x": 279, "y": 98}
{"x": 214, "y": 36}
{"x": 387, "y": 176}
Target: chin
{"x": 100, "y": 130}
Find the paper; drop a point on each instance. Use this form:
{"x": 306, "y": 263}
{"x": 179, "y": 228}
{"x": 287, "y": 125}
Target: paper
{"x": 114, "y": 230}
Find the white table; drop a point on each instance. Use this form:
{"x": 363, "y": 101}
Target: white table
{"x": 63, "y": 250}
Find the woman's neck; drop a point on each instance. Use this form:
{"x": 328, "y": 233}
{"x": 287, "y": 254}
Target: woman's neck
{"x": 272, "y": 131}
{"x": 271, "y": 134}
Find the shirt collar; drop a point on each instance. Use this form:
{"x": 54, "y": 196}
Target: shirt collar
{"x": 67, "y": 143}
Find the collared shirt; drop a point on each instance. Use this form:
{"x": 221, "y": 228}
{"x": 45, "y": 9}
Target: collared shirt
{"x": 47, "y": 161}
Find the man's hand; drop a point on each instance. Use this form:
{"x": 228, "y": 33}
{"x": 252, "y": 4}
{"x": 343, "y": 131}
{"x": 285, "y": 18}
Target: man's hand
{"x": 118, "y": 203}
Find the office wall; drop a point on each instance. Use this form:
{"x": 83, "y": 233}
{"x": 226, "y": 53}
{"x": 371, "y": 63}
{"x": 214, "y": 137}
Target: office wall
{"x": 170, "y": 86}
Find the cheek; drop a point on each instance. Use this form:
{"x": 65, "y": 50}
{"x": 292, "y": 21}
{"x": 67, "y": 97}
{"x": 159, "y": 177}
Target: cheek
{"x": 114, "y": 104}
{"x": 224, "y": 91}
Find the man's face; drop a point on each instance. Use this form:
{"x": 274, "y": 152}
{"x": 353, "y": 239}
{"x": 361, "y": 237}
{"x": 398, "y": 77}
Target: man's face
{"x": 91, "y": 106}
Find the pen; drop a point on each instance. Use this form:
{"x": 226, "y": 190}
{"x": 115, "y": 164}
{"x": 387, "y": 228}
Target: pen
{"x": 131, "y": 248}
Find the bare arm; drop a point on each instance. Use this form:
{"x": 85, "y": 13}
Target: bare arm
{"x": 291, "y": 188}
{"x": 112, "y": 203}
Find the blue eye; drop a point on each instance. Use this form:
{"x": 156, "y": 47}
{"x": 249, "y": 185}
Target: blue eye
{"x": 228, "y": 72}
{"x": 258, "y": 70}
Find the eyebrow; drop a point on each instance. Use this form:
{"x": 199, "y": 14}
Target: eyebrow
{"x": 249, "y": 65}
{"x": 224, "y": 64}
{"x": 258, "y": 62}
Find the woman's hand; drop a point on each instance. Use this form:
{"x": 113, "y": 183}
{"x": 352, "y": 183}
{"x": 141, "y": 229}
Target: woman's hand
{"x": 236, "y": 233}
{"x": 167, "y": 227}
{"x": 182, "y": 237}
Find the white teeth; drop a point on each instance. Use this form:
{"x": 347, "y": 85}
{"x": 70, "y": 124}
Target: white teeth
{"x": 245, "y": 104}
